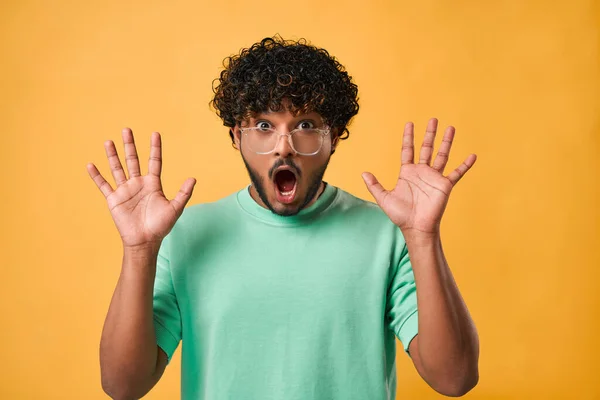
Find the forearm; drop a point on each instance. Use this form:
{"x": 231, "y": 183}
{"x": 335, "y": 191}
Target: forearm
{"x": 448, "y": 343}
{"x": 128, "y": 350}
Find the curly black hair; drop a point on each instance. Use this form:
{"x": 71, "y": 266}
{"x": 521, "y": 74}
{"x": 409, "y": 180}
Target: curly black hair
{"x": 259, "y": 78}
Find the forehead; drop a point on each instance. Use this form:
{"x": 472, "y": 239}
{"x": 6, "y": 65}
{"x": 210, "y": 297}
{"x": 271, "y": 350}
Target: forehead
{"x": 286, "y": 112}
{"x": 283, "y": 116}
{"x": 286, "y": 115}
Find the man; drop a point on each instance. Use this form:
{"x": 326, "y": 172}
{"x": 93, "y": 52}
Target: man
{"x": 290, "y": 288}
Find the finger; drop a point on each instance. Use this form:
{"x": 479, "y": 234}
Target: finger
{"x": 441, "y": 159}
{"x": 104, "y": 186}
{"x": 183, "y": 196}
{"x": 408, "y": 148}
{"x": 155, "y": 161}
{"x": 428, "y": 140}
{"x": 462, "y": 169}
{"x": 377, "y": 191}
{"x": 115, "y": 163}
{"x": 131, "y": 156}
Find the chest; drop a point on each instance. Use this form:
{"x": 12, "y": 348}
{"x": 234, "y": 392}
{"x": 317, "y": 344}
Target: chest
{"x": 293, "y": 276}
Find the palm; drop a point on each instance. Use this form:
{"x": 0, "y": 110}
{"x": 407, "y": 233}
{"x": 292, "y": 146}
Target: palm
{"x": 419, "y": 199}
{"x": 420, "y": 195}
{"x": 141, "y": 211}
{"x": 138, "y": 205}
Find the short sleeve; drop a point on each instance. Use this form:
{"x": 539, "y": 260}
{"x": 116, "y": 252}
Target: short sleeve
{"x": 167, "y": 317}
{"x": 401, "y": 310}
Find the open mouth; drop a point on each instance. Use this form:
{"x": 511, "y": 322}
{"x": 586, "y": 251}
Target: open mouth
{"x": 286, "y": 183}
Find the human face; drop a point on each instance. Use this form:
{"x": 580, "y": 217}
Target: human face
{"x": 284, "y": 181}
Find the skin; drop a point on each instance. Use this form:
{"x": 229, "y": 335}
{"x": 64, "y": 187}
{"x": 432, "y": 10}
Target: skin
{"x": 310, "y": 169}
{"x": 446, "y": 350}
{"x": 131, "y": 363}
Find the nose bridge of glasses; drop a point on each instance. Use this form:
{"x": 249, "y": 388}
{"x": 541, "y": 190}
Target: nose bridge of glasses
{"x": 287, "y": 140}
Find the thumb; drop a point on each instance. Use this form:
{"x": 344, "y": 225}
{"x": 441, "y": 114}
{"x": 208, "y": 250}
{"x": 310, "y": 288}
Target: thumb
{"x": 374, "y": 187}
{"x": 183, "y": 196}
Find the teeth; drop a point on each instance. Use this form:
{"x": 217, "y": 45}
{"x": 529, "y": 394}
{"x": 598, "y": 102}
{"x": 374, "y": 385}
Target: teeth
{"x": 287, "y": 193}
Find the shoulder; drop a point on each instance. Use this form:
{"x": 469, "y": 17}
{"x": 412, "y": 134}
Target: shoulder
{"x": 206, "y": 209}
{"x": 354, "y": 206}
{"x": 203, "y": 216}
{"x": 366, "y": 217}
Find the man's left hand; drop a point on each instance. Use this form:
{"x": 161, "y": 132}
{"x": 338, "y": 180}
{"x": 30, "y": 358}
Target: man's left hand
{"x": 419, "y": 199}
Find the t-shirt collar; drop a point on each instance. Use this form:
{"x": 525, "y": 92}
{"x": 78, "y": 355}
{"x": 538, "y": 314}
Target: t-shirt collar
{"x": 249, "y": 205}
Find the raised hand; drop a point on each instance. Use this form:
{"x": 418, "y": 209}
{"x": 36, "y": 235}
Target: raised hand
{"x": 138, "y": 206}
{"x": 419, "y": 199}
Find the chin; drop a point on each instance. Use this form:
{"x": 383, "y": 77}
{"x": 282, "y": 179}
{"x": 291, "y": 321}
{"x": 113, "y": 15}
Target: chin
{"x": 285, "y": 211}
{"x": 285, "y": 204}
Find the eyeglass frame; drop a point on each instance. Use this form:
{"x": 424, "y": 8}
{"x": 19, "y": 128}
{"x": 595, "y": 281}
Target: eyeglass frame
{"x": 322, "y": 132}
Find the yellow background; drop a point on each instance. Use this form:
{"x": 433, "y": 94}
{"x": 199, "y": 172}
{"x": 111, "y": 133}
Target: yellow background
{"x": 520, "y": 81}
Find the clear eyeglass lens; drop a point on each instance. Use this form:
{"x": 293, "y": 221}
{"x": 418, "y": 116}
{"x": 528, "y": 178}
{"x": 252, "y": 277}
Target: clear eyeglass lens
{"x": 307, "y": 140}
{"x": 304, "y": 141}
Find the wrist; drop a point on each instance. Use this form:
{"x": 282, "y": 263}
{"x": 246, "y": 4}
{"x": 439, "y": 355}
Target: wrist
{"x": 420, "y": 237}
{"x": 142, "y": 249}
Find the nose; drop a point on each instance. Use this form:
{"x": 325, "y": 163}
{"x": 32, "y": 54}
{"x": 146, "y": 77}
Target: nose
{"x": 284, "y": 148}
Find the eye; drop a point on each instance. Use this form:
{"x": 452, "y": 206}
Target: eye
{"x": 263, "y": 125}
{"x": 306, "y": 125}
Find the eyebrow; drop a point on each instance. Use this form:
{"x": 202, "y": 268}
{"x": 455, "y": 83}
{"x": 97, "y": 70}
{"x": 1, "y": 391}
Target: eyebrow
{"x": 311, "y": 115}
{"x": 318, "y": 122}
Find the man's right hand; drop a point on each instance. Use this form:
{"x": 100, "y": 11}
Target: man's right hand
{"x": 138, "y": 206}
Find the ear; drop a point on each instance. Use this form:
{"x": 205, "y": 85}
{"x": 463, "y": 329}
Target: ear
{"x": 335, "y": 141}
{"x": 235, "y": 131}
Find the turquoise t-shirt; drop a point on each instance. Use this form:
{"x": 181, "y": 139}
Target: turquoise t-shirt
{"x": 297, "y": 308}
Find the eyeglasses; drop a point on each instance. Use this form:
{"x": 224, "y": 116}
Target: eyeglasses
{"x": 306, "y": 142}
